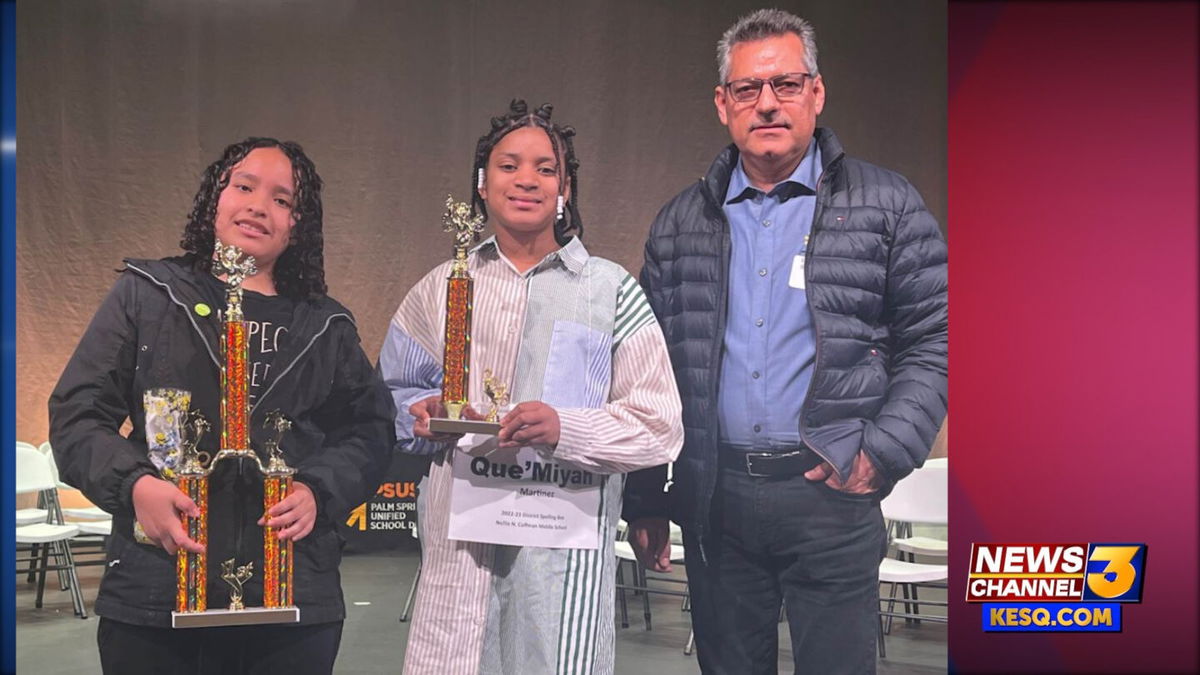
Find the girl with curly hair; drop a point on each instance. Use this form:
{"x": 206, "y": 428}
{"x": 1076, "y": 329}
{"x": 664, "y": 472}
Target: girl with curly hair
{"x": 160, "y": 327}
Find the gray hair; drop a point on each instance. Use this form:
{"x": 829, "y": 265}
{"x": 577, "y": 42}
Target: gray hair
{"x": 765, "y": 23}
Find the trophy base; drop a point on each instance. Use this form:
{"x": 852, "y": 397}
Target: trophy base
{"x": 444, "y": 425}
{"x": 251, "y": 616}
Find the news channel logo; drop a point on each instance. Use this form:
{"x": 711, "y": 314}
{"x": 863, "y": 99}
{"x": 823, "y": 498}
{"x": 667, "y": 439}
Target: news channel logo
{"x": 1048, "y": 587}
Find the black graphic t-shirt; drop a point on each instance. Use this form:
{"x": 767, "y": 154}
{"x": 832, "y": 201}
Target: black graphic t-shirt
{"x": 268, "y": 318}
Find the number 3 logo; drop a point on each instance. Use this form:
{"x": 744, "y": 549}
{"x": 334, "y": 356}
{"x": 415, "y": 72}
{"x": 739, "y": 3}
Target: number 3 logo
{"x": 1118, "y": 576}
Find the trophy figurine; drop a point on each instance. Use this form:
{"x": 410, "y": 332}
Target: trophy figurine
{"x": 235, "y": 579}
{"x": 456, "y": 355}
{"x": 191, "y": 469}
{"x": 497, "y": 393}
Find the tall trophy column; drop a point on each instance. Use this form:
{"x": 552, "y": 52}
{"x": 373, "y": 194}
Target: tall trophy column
{"x": 191, "y": 569}
{"x": 277, "y": 484}
{"x": 235, "y": 385}
{"x": 456, "y": 355}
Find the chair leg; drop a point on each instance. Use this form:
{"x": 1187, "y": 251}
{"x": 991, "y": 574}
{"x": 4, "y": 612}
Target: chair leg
{"x": 33, "y": 556}
{"x": 691, "y": 643}
{"x": 879, "y": 634}
{"x": 44, "y": 562}
{"x": 621, "y": 594}
{"x": 891, "y": 607}
{"x": 48, "y": 499}
{"x": 63, "y": 581}
{"x": 916, "y": 608}
{"x": 641, "y": 573}
{"x": 76, "y": 591}
{"x": 907, "y": 606}
{"x": 412, "y": 594}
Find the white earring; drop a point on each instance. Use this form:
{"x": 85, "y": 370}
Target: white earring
{"x": 479, "y": 183}
{"x": 559, "y": 207}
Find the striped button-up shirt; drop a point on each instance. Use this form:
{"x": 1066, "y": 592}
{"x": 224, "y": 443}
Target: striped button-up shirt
{"x": 577, "y": 333}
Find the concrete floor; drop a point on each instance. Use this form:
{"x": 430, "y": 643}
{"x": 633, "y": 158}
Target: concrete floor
{"x": 52, "y": 640}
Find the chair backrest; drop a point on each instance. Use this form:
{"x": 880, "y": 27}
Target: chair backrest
{"x": 920, "y": 497}
{"x": 54, "y": 470}
{"x": 33, "y": 471}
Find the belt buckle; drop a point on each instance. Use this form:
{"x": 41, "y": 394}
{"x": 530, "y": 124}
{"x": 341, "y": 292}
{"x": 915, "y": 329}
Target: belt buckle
{"x": 750, "y": 467}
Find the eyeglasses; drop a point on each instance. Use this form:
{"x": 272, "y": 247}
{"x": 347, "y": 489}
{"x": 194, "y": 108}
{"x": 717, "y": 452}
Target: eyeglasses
{"x": 785, "y": 86}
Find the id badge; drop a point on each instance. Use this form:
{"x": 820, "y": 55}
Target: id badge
{"x": 796, "y": 278}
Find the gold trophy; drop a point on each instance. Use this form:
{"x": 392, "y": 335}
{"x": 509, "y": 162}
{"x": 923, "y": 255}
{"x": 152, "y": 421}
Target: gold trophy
{"x": 190, "y": 470}
{"x": 456, "y": 355}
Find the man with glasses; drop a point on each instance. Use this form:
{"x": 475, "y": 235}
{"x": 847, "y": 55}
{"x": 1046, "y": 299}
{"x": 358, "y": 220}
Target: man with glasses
{"x": 802, "y": 294}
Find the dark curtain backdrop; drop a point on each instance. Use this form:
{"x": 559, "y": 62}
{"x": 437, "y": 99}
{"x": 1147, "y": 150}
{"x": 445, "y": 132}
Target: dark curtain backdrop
{"x": 121, "y": 104}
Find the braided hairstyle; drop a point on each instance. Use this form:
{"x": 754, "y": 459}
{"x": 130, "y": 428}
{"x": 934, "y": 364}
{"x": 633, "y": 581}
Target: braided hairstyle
{"x": 517, "y": 117}
{"x": 299, "y": 272}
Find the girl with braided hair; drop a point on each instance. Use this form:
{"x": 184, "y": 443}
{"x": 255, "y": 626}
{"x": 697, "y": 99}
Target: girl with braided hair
{"x": 574, "y": 339}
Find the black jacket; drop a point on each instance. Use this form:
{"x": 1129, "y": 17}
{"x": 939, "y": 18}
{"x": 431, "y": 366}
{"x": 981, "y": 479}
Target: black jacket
{"x": 148, "y": 334}
{"x": 876, "y": 285}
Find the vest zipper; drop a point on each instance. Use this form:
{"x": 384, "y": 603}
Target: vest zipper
{"x": 812, "y": 237}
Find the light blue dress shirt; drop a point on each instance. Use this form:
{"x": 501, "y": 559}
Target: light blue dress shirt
{"x": 769, "y": 350}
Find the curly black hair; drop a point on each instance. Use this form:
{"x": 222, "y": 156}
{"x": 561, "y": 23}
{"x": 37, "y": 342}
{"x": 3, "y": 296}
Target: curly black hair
{"x": 518, "y": 117}
{"x": 299, "y": 272}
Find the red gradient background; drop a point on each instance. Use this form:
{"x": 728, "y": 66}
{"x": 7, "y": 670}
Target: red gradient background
{"x": 1073, "y": 255}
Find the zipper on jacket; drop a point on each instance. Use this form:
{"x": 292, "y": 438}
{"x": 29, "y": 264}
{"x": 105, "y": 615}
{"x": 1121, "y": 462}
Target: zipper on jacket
{"x": 710, "y": 486}
{"x": 812, "y": 237}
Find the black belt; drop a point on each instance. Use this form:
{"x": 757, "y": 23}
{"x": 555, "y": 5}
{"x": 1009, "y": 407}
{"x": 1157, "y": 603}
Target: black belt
{"x": 769, "y": 464}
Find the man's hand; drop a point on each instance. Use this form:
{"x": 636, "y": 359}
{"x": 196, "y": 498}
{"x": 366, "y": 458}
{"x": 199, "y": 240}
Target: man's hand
{"x": 651, "y": 542}
{"x": 530, "y": 423}
{"x": 863, "y": 478}
{"x": 293, "y": 517}
{"x": 432, "y": 407}
{"x": 158, "y": 505}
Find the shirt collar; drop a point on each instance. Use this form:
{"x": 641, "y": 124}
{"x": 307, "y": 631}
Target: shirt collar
{"x": 802, "y": 181}
{"x": 573, "y": 255}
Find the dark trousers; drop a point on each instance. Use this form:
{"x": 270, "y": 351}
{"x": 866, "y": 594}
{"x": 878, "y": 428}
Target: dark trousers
{"x": 127, "y": 649}
{"x": 793, "y": 541}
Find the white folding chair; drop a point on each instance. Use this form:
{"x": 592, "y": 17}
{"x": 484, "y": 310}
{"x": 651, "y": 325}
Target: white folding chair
{"x": 77, "y": 513}
{"x": 918, "y": 499}
{"x": 94, "y": 523}
{"x": 624, "y": 552}
{"x": 31, "y": 515}
{"x": 33, "y": 475}
{"x": 900, "y": 515}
